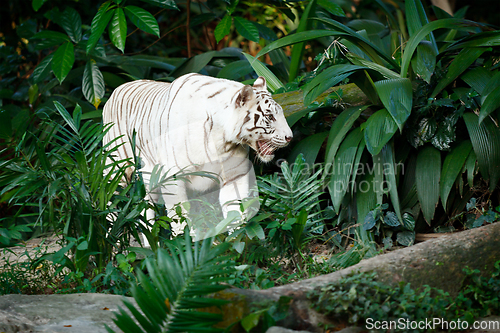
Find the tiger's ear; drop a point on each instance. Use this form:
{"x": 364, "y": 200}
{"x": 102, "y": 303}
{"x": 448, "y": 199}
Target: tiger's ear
{"x": 260, "y": 83}
{"x": 246, "y": 97}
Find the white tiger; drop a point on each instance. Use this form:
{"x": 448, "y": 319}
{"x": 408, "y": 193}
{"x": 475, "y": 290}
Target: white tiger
{"x": 197, "y": 121}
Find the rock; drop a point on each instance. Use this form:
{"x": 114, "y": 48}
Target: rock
{"x": 72, "y": 313}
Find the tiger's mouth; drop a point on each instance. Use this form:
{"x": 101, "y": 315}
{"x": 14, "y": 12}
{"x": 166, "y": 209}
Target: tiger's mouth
{"x": 265, "y": 150}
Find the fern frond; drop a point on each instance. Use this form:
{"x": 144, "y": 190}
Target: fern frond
{"x": 170, "y": 298}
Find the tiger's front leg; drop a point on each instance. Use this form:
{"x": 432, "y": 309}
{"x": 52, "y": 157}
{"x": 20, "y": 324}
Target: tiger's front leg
{"x": 240, "y": 195}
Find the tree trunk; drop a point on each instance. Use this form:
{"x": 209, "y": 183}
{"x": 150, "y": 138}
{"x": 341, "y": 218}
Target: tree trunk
{"x": 438, "y": 263}
{"x": 292, "y": 102}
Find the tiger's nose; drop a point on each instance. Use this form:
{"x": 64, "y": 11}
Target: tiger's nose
{"x": 288, "y": 138}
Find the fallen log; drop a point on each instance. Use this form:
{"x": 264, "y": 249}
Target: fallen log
{"x": 438, "y": 263}
{"x": 293, "y": 101}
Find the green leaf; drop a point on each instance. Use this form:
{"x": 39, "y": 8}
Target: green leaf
{"x": 167, "y": 4}
{"x": 66, "y": 116}
{"x": 37, "y": 4}
{"x": 253, "y": 229}
{"x": 343, "y": 167}
{"x": 143, "y": 20}
{"x": 428, "y": 175}
{"x": 341, "y": 125}
{"x": 308, "y": 147}
{"x": 223, "y": 28}
{"x": 63, "y": 60}
{"x": 462, "y": 61}
{"x": 416, "y": 19}
{"x": 93, "y": 83}
{"x": 71, "y": 22}
{"x": 194, "y": 64}
{"x": 380, "y": 128}
{"x": 390, "y": 176}
{"x": 425, "y": 63}
{"x": 326, "y": 79}
{"x": 118, "y": 29}
{"x": 391, "y": 219}
{"x": 56, "y": 37}
{"x": 246, "y": 29}
{"x": 332, "y": 7}
{"x": 490, "y": 104}
{"x": 415, "y": 40}
{"x": 99, "y": 23}
{"x": 252, "y": 320}
{"x": 397, "y": 97}
{"x": 477, "y": 78}
{"x": 235, "y": 70}
{"x": 273, "y": 83}
{"x": 406, "y": 238}
{"x": 485, "y": 138}
{"x": 452, "y": 166}
{"x": 43, "y": 69}
{"x": 298, "y": 49}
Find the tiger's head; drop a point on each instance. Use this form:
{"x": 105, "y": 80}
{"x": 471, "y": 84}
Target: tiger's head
{"x": 264, "y": 126}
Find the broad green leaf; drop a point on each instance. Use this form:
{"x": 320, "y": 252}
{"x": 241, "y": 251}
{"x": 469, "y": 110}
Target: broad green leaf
{"x": 235, "y": 70}
{"x": 63, "y": 60}
{"x": 43, "y": 69}
{"x": 462, "y": 61}
{"x": 425, "y": 62}
{"x": 246, "y": 29}
{"x": 143, "y": 20}
{"x": 298, "y": 49}
{"x": 309, "y": 148}
{"x": 380, "y": 128}
{"x": 343, "y": 167}
{"x": 341, "y": 125}
{"x": 194, "y": 64}
{"x": 485, "y": 138}
{"x": 118, "y": 29}
{"x": 273, "y": 83}
{"x": 167, "y": 4}
{"x": 428, "y": 175}
{"x": 36, "y": 4}
{"x": 470, "y": 166}
{"x": 492, "y": 84}
{"x": 415, "y": 40}
{"x": 93, "y": 83}
{"x": 391, "y": 219}
{"x": 396, "y": 95}
{"x": 390, "y": 176}
{"x": 326, "y": 79}
{"x": 406, "y": 238}
{"x": 223, "y": 28}
{"x": 253, "y": 229}
{"x": 452, "y": 166}
{"x": 483, "y": 39}
{"x": 57, "y": 37}
{"x": 332, "y": 7}
{"x": 477, "y": 78}
{"x": 99, "y": 23}
{"x": 366, "y": 197}
{"x": 71, "y": 22}
{"x": 490, "y": 104}
{"x": 386, "y": 72}
{"x": 416, "y": 19}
